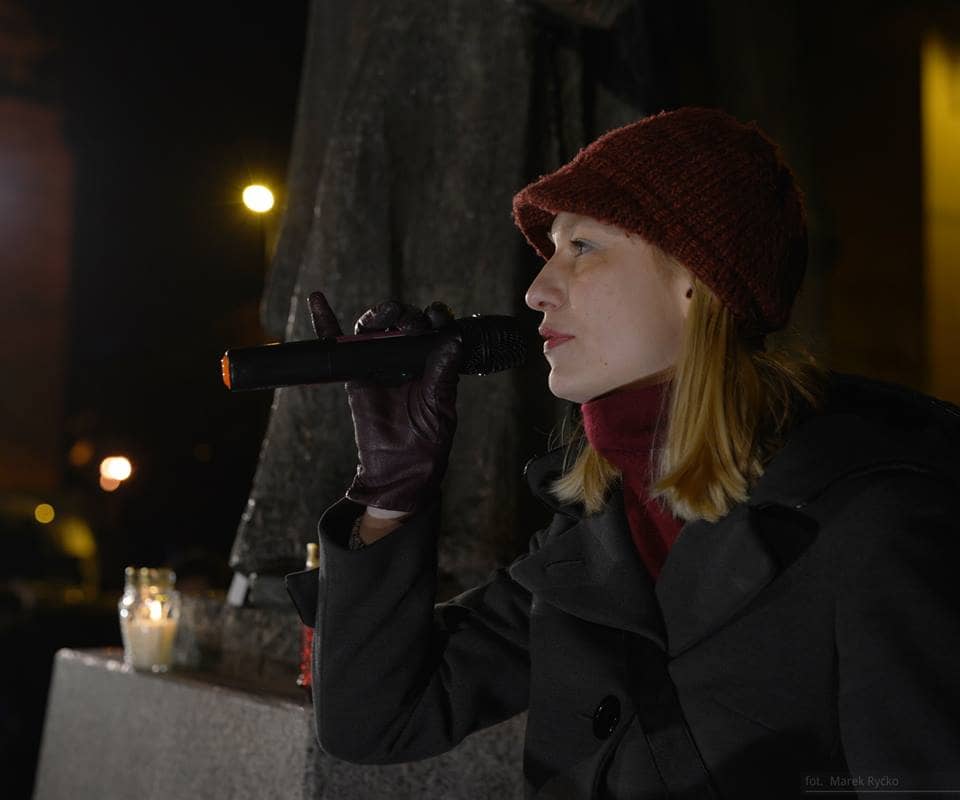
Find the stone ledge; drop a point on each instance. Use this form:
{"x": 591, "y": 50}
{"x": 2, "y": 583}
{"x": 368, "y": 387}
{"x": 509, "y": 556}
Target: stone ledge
{"x": 111, "y": 732}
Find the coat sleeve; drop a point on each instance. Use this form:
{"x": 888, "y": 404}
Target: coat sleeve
{"x": 898, "y": 642}
{"x": 397, "y": 677}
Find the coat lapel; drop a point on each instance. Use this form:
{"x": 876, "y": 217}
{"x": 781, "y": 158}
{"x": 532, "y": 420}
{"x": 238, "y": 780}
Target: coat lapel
{"x": 592, "y": 571}
{"x": 714, "y": 570}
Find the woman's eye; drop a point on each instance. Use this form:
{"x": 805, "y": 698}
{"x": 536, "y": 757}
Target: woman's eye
{"x": 579, "y": 246}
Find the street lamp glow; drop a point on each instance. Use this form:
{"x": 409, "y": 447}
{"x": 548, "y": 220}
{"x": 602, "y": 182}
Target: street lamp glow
{"x": 44, "y": 513}
{"x": 258, "y": 198}
{"x": 115, "y": 468}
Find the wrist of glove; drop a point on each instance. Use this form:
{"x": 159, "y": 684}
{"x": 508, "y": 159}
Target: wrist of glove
{"x": 403, "y": 432}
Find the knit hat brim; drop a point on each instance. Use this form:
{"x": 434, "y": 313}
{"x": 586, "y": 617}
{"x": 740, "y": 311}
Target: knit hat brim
{"x": 574, "y": 188}
{"x": 580, "y": 188}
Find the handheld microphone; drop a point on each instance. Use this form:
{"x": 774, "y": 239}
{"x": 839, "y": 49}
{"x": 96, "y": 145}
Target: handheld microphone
{"x": 491, "y": 343}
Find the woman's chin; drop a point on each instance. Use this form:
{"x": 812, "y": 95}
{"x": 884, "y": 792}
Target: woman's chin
{"x": 566, "y": 390}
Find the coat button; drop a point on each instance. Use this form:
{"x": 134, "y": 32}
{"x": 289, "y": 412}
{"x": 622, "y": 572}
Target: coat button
{"x": 606, "y": 717}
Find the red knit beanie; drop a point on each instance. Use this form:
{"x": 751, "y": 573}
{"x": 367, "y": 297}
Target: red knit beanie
{"x": 707, "y": 189}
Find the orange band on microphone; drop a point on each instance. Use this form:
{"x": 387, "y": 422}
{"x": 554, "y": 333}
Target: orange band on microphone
{"x": 225, "y": 367}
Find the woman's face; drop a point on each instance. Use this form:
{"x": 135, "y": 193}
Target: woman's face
{"x": 624, "y": 315}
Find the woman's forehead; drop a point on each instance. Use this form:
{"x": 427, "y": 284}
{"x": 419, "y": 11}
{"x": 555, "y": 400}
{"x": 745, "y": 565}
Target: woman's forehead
{"x": 566, "y": 220}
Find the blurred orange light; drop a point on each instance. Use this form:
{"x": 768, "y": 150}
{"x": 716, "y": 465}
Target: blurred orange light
{"x": 116, "y": 468}
{"x": 44, "y": 513}
{"x": 81, "y": 453}
{"x": 108, "y": 484}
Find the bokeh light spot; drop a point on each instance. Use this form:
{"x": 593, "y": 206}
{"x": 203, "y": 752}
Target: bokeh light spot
{"x": 81, "y": 453}
{"x": 116, "y": 468}
{"x": 258, "y": 198}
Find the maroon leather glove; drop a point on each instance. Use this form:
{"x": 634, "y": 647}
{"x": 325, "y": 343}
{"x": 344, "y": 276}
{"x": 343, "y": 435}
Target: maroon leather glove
{"x": 403, "y": 433}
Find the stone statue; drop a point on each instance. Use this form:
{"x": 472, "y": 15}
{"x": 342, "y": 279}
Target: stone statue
{"x": 416, "y": 124}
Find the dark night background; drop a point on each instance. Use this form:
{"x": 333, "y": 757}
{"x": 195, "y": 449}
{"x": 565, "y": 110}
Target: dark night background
{"x": 168, "y": 117}
{"x": 167, "y": 113}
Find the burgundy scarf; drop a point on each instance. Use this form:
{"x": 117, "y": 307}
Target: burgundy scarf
{"x": 619, "y": 426}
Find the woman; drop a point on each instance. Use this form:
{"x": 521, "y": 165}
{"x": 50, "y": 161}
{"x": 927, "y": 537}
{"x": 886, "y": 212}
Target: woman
{"x": 746, "y": 589}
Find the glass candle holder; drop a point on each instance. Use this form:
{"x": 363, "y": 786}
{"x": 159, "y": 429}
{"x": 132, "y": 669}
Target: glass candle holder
{"x": 149, "y": 612}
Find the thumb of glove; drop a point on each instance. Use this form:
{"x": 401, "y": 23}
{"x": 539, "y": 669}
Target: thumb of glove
{"x": 325, "y": 324}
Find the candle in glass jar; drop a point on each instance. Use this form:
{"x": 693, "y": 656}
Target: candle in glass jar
{"x": 149, "y": 641}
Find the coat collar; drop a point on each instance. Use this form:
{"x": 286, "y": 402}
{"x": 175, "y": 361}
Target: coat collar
{"x": 592, "y": 570}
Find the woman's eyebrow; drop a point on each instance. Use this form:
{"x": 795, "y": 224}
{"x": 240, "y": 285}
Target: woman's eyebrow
{"x": 592, "y": 228}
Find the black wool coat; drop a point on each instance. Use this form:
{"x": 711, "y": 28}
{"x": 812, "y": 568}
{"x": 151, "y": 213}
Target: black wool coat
{"x": 810, "y": 639}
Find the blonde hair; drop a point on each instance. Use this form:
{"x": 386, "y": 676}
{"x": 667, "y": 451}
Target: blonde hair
{"x": 730, "y": 405}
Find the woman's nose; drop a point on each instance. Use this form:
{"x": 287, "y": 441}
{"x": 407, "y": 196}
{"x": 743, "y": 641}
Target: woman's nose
{"x": 545, "y": 291}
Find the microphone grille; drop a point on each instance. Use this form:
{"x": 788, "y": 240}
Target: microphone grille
{"x": 491, "y": 343}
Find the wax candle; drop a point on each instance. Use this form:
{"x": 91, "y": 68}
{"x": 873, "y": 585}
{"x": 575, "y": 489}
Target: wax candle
{"x": 148, "y": 643}
{"x": 149, "y": 611}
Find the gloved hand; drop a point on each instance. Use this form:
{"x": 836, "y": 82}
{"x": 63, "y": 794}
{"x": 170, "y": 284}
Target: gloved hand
{"x": 403, "y": 433}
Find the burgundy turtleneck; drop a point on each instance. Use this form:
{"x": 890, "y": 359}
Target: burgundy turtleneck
{"x": 619, "y": 426}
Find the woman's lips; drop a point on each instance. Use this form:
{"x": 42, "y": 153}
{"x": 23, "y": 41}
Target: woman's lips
{"x": 555, "y": 341}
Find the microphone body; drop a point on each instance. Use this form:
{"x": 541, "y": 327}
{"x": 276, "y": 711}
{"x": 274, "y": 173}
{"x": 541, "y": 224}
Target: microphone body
{"x": 490, "y": 343}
